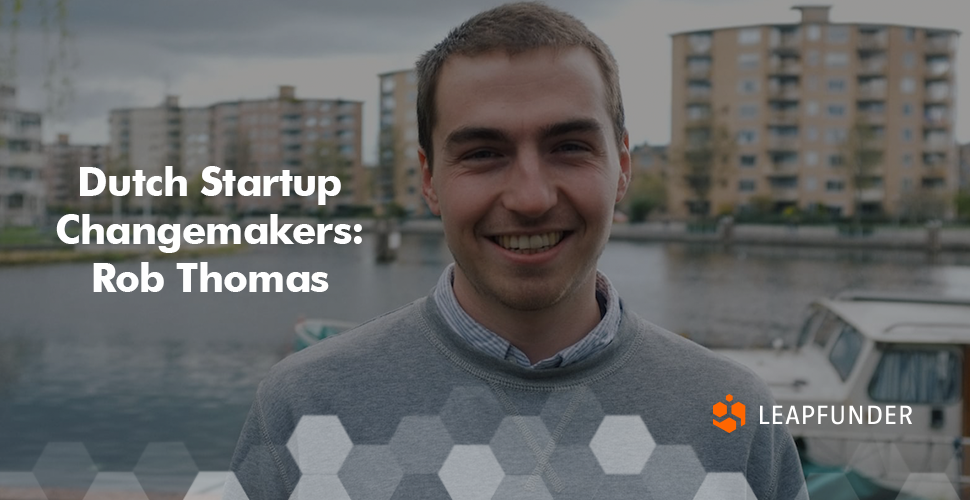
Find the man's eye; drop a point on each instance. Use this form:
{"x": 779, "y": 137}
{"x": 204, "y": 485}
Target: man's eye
{"x": 571, "y": 147}
{"x": 483, "y": 154}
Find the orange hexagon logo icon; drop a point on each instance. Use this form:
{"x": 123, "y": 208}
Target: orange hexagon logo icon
{"x": 734, "y": 420}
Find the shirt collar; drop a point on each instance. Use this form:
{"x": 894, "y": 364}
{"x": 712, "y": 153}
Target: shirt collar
{"x": 492, "y": 344}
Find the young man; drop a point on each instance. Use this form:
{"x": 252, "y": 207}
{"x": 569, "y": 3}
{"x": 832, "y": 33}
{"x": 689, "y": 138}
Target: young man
{"x": 521, "y": 375}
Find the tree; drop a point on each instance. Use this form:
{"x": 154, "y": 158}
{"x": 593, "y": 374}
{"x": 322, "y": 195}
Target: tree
{"x": 862, "y": 155}
{"x": 962, "y": 203}
{"x": 59, "y": 56}
{"x": 326, "y": 159}
{"x": 701, "y": 164}
{"x": 195, "y": 202}
{"x": 239, "y": 156}
{"x": 647, "y": 193}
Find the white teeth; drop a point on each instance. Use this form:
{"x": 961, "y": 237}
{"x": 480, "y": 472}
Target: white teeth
{"x": 529, "y": 244}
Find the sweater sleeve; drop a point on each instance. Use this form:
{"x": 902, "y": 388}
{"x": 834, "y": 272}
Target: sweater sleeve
{"x": 261, "y": 463}
{"x": 774, "y": 467}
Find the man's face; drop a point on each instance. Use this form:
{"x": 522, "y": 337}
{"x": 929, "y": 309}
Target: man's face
{"x": 526, "y": 173}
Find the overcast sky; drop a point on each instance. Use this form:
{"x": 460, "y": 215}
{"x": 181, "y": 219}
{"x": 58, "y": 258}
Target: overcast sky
{"x": 131, "y": 53}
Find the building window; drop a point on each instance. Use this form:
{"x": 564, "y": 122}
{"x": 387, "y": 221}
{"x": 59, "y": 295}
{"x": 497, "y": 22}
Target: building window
{"x": 749, "y": 36}
{"x": 749, "y": 60}
{"x": 748, "y": 110}
{"x": 907, "y": 134}
{"x": 811, "y": 158}
{"x": 746, "y": 185}
{"x": 835, "y": 160}
{"x": 811, "y": 108}
{"x": 699, "y": 42}
{"x": 907, "y": 184}
{"x": 837, "y": 59}
{"x": 834, "y": 186}
{"x": 811, "y": 184}
{"x": 910, "y": 34}
{"x": 749, "y": 161}
{"x": 698, "y": 111}
{"x": 813, "y": 32}
{"x": 907, "y": 109}
{"x": 837, "y": 34}
{"x": 747, "y": 137}
{"x": 748, "y": 86}
{"x": 387, "y": 84}
{"x": 835, "y": 110}
{"x": 907, "y": 85}
{"x": 836, "y": 85}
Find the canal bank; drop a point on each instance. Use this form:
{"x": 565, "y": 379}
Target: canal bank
{"x": 930, "y": 238}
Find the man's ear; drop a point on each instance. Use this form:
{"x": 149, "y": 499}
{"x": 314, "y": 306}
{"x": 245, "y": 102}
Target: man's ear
{"x": 427, "y": 186}
{"x": 626, "y": 169}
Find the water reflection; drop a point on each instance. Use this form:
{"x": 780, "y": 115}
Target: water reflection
{"x": 119, "y": 371}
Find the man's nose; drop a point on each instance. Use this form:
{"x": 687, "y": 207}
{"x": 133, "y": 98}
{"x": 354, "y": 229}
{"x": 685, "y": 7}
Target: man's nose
{"x": 530, "y": 188}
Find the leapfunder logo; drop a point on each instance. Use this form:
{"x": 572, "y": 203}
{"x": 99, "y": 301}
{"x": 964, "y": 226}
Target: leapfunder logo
{"x": 806, "y": 414}
{"x": 729, "y": 424}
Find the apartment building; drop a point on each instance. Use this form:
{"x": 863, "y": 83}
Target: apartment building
{"x": 22, "y": 193}
{"x": 398, "y": 176}
{"x": 251, "y": 137}
{"x": 62, "y": 174}
{"x": 964, "y": 166}
{"x": 304, "y": 136}
{"x": 780, "y": 112}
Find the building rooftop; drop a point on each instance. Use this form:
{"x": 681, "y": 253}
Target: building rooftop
{"x": 813, "y": 14}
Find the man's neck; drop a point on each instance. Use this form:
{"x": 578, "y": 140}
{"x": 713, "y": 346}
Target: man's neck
{"x": 539, "y": 334}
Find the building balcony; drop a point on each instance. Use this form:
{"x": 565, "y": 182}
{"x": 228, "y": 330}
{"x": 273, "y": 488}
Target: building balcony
{"x": 22, "y": 159}
{"x": 936, "y": 122}
{"x": 872, "y": 194}
{"x": 12, "y": 131}
{"x": 699, "y": 72}
{"x": 698, "y": 121}
{"x": 783, "y": 94}
{"x": 938, "y": 72}
{"x": 784, "y": 193}
{"x": 870, "y": 118}
{"x": 872, "y": 68}
{"x": 871, "y": 92}
{"x": 937, "y": 146}
{"x": 783, "y": 143}
{"x": 872, "y": 42}
{"x": 790, "y": 68}
{"x": 784, "y": 118}
{"x": 937, "y": 97}
{"x": 698, "y": 95}
{"x": 937, "y": 45}
{"x": 787, "y": 44}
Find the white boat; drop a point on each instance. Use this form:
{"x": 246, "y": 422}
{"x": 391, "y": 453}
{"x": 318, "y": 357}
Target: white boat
{"x": 862, "y": 350}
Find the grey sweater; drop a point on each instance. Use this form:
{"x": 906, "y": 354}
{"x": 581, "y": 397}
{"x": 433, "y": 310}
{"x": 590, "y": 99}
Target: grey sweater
{"x": 400, "y": 407}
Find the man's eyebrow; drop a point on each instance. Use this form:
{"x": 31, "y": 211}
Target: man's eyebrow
{"x": 571, "y": 126}
{"x": 470, "y": 134}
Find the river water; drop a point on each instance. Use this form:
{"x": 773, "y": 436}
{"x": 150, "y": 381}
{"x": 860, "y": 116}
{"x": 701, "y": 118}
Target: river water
{"x": 119, "y": 371}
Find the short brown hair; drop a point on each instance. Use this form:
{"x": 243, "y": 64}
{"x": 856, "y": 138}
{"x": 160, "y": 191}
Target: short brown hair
{"x": 514, "y": 28}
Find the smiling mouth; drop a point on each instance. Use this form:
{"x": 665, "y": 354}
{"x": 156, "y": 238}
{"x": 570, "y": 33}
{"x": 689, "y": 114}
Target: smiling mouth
{"x": 529, "y": 244}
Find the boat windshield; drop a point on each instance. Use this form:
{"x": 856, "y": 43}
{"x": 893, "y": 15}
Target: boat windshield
{"x": 812, "y": 320}
{"x": 846, "y": 350}
{"x": 827, "y": 325}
